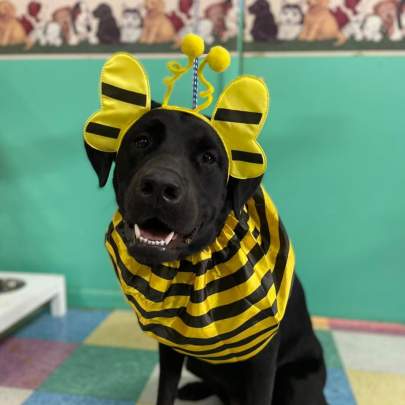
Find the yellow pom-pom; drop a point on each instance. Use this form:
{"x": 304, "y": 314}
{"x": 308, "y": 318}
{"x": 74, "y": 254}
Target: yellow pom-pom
{"x": 192, "y": 45}
{"x": 218, "y": 58}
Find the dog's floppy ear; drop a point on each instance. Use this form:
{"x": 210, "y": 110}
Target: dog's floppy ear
{"x": 101, "y": 162}
{"x": 239, "y": 191}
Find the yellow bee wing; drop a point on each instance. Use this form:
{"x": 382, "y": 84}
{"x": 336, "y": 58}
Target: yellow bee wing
{"x": 125, "y": 97}
{"x": 239, "y": 116}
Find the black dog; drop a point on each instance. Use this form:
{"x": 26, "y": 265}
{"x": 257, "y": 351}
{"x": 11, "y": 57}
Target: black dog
{"x": 107, "y": 31}
{"x": 170, "y": 176}
{"x": 264, "y": 26}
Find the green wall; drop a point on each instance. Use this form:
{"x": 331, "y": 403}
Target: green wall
{"x": 336, "y": 144}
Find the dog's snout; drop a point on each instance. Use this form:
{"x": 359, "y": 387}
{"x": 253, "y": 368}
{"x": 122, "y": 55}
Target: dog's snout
{"x": 161, "y": 186}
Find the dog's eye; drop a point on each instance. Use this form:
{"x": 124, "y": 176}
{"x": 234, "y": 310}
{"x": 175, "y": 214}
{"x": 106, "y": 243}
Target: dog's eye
{"x": 208, "y": 158}
{"x": 142, "y": 142}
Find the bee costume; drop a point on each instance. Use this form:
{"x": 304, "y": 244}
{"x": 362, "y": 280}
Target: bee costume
{"x": 224, "y": 303}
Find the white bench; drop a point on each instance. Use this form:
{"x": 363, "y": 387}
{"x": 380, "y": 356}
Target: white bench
{"x": 38, "y": 290}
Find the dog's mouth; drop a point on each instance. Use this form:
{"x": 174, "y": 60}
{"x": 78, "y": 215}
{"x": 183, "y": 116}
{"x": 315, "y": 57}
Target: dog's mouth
{"x": 156, "y": 235}
{"x": 154, "y": 232}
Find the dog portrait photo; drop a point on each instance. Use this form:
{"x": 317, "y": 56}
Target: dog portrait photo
{"x": 202, "y": 202}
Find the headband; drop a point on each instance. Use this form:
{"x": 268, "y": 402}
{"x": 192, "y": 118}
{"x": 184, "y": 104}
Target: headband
{"x": 238, "y": 116}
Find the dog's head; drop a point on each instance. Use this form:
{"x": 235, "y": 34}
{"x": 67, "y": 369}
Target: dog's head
{"x": 291, "y": 14}
{"x": 7, "y": 10}
{"x": 171, "y": 185}
{"x": 155, "y": 6}
{"x": 131, "y": 18}
{"x": 259, "y": 7}
{"x": 387, "y": 10}
{"x": 178, "y": 174}
{"x": 103, "y": 11}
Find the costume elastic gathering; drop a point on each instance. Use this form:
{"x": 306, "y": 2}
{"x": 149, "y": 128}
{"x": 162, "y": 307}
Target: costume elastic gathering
{"x": 222, "y": 304}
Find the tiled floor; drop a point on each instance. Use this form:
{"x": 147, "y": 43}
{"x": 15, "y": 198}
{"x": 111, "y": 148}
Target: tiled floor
{"x": 102, "y": 358}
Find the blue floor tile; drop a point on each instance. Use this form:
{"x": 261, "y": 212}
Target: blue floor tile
{"x": 47, "y": 398}
{"x": 75, "y": 326}
{"x": 338, "y": 391}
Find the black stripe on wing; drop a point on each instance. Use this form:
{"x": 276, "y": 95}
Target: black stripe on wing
{"x": 102, "y": 130}
{"x": 238, "y": 116}
{"x": 127, "y": 96}
{"x": 247, "y": 157}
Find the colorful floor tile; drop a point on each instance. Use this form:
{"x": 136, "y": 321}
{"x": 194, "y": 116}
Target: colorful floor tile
{"x": 102, "y": 358}
{"x": 371, "y": 352}
{"x": 13, "y": 396}
{"x": 121, "y": 329}
{"x": 338, "y": 390}
{"x": 371, "y": 388}
{"x": 49, "y": 398}
{"x": 86, "y": 370}
{"x": 74, "y": 327}
{"x": 26, "y": 363}
{"x": 330, "y": 351}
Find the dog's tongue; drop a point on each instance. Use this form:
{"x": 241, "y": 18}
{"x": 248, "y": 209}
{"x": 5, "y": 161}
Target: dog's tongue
{"x": 153, "y": 235}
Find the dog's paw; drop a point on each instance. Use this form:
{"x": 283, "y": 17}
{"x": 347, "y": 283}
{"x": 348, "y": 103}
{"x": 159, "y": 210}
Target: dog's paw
{"x": 195, "y": 391}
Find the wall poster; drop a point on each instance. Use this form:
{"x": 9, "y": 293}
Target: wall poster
{"x": 319, "y": 25}
{"x": 157, "y": 26}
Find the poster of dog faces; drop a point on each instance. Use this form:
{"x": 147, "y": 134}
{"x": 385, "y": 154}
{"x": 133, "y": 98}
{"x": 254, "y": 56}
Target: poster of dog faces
{"x": 353, "y": 24}
{"x": 63, "y": 26}
{"x": 109, "y": 25}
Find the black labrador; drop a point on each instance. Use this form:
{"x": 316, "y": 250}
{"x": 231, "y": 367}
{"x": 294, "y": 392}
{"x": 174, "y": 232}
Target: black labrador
{"x": 170, "y": 174}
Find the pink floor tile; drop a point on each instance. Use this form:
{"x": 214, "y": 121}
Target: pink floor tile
{"x": 25, "y": 363}
{"x": 367, "y": 326}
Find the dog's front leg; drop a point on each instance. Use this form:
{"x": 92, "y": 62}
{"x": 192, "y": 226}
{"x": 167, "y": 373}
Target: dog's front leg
{"x": 257, "y": 377}
{"x": 171, "y": 363}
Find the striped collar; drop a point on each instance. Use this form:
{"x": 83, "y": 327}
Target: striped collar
{"x": 223, "y": 304}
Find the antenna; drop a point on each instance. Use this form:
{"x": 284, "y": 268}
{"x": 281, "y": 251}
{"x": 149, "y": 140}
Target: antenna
{"x": 196, "y": 9}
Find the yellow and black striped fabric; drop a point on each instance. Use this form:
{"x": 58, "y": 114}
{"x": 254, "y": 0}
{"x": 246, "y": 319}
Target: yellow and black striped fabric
{"x": 223, "y": 304}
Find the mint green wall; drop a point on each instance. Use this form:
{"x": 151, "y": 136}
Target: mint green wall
{"x": 336, "y": 144}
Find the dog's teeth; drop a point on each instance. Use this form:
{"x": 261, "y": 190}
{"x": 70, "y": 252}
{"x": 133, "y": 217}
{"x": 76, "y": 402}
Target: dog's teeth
{"x": 137, "y": 231}
{"x": 169, "y": 238}
{"x": 149, "y": 241}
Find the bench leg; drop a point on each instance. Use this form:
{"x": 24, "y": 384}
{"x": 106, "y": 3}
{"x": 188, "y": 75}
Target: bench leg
{"x": 58, "y": 302}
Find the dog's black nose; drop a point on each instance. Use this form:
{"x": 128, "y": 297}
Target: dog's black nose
{"x": 161, "y": 186}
